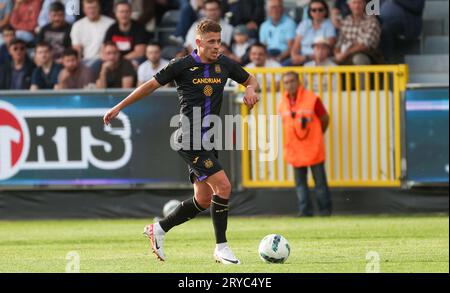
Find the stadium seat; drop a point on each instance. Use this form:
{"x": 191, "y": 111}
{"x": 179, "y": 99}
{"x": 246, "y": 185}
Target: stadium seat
{"x": 167, "y": 27}
{"x": 170, "y": 18}
{"x": 436, "y": 45}
{"x": 430, "y": 64}
{"x": 435, "y": 9}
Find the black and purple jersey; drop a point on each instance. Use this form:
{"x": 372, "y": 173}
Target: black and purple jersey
{"x": 200, "y": 86}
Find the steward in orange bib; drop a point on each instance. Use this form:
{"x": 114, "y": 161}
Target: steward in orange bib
{"x": 305, "y": 120}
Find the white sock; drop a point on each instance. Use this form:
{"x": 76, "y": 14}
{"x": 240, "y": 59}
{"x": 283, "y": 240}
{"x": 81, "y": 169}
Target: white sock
{"x": 158, "y": 229}
{"x": 221, "y": 246}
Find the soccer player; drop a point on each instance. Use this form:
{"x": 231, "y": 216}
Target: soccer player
{"x": 200, "y": 78}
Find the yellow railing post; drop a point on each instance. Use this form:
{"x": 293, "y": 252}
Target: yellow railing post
{"x": 330, "y": 128}
{"x": 274, "y": 109}
{"x": 349, "y": 123}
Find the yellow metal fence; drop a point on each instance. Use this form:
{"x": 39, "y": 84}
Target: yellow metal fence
{"x": 363, "y": 142}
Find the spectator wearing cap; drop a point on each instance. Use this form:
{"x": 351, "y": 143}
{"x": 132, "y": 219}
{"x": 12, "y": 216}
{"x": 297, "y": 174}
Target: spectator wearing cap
{"x": 153, "y": 64}
{"x": 16, "y": 75}
{"x": 89, "y": 32}
{"x": 129, "y": 36}
{"x": 45, "y": 18}
{"x": 45, "y": 76}
{"x": 74, "y": 75}
{"x": 116, "y": 71}
{"x": 5, "y": 14}
{"x": 359, "y": 37}
{"x": 57, "y": 32}
{"x": 241, "y": 43}
{"x": 24, "y": 18}
{"x": 9, "y": 34}
{"x": 321, "y": 58}
{"x": 278, "y": 31}
{"x": 317, "y": 24}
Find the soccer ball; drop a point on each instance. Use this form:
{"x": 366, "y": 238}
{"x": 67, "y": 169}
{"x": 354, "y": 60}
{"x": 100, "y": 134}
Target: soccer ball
{"x": 274, "y": 248}
{"x": 170, "y": 206}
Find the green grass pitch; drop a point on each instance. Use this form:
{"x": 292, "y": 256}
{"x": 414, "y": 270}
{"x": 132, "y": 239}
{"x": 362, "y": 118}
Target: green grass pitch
{"x": 336, "y": 244}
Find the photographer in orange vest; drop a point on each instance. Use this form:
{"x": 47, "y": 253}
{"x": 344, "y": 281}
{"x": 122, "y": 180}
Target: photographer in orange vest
{"x": 305, "y": 121}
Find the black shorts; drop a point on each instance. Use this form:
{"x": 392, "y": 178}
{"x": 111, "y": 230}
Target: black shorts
{"x": 202, "y": 164}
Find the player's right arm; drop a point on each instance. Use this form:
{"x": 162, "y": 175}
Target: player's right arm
{"x": 163, "y": 77}
{"x": 139, "y": 93}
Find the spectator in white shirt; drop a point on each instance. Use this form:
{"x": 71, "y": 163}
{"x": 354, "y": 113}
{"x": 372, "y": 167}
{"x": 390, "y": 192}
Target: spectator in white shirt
{"x": 259, "y": 58}
{"x": 153, "y": 64}
{"x": 88, "y": 33}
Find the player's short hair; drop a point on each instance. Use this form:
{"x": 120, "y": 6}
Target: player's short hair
{"x": 44, "y": 44}
{"x": 208, "y": 26}
{"x": 57, "y": 7}
{"x": 70, "y": 52}
{"x": 292, "y": 73}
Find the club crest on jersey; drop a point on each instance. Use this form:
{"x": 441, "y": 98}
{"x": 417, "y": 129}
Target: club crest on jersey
{"x": 208, "y": 91}
{"x": 218, "y": 69}
{"x": 194, "y": 68}
{"x": 208, "y": 164}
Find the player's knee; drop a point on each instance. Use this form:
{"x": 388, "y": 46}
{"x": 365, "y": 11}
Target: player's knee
{"x": 203, "y": 201}
{"x": 224, "y": 189}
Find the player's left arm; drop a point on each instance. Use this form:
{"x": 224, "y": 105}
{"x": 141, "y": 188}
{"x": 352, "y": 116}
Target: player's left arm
{"x": 251, "y": 87}
{"x": 241, "y": 76}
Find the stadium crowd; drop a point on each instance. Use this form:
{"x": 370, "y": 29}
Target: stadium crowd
{"x": 46, "y": 44}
